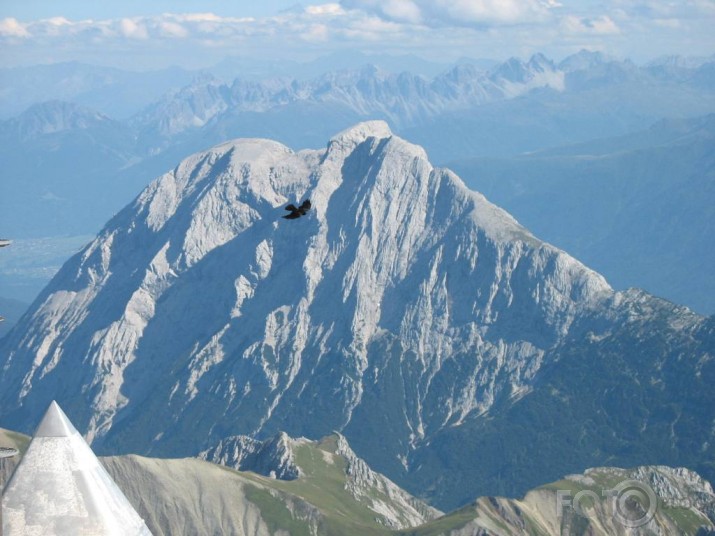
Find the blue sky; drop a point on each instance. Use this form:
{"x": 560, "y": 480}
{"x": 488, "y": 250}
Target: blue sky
{"x": 144, "y": 35}
{"x": 28, "y": 10}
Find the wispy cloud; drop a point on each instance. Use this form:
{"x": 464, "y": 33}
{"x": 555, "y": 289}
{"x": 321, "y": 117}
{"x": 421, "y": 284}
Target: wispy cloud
{"x": 477, "y": 13}
{"x": 434, "y": 28}
{"x": 657, "y": 9}
{"x": 317, "y": 22}
{"x": 133, "y": 29}
{"x": 11, "y": 28}
{"x": 602, "y": 25}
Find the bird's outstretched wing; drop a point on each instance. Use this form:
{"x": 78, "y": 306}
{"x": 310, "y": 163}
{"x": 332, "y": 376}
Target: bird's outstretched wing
{"x": 304, "y": 207}
{"x": 297, "y": 212}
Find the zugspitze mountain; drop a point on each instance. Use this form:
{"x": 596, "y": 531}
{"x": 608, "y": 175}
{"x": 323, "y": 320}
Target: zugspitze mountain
{"x": 404, "y": 311}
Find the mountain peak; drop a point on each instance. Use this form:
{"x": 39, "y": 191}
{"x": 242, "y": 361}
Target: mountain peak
{"x": 583, "y": 60}
{"x": 540, "y": 63}
{"x": 516, "y": 76}
{"x": 357, "y": 134}
{"x": 55, "y": 116}
{"x": 402, "y": 304}
{"x": 384, "y": 226}
{"x": 513, "y": 70}
{"x": 382, "y": 215}
{"x": 274, "y": 457}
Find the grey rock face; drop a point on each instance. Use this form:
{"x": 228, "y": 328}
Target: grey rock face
{"x": 273, "y": 457}
{"x": 403, "y": 311}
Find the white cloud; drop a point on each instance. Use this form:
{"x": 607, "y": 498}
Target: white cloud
{"x": 458, "y": 12}
{"x": 59, "y": 21}
{"x": 172, "y": 29}
{"x": 197, "y": 17}
{"x": 133, "y": 29}
{"x": 437, "y": 29}
{"x": 375, "y": 30}
{"x": 668, "y": 23}
{"x": 403, "y": 10}
{"x": 10, "y": 27}
{"x": 316, "y": 33}
{"x": 494, "y": 11}
{"x": 602, "y": 25}
{"x": 658, "y": 9}
{"x": 325, "y": 9}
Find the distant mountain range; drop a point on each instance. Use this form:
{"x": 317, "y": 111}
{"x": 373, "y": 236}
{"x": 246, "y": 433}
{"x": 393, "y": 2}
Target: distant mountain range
{"x": 630, "y": 95}
{"x": 122, "y": 93}
{"x": 459, "y": 354}
{"x": 512, "y": 107}
{"x": 638, "y": 208}
{"x": 111, "y": 91}
{"x": 67, "y": 167}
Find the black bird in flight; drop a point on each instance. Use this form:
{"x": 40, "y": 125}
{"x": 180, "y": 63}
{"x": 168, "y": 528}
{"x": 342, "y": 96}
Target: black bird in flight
{"x": 298, "y": 212}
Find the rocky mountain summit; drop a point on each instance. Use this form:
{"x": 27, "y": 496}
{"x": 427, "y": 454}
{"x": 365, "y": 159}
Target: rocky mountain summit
{"x": 273, "y": 457}
{"x": 404, "y": 311}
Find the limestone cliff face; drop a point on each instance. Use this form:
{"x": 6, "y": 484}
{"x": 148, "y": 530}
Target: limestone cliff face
{"x": 403, "y": 306}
